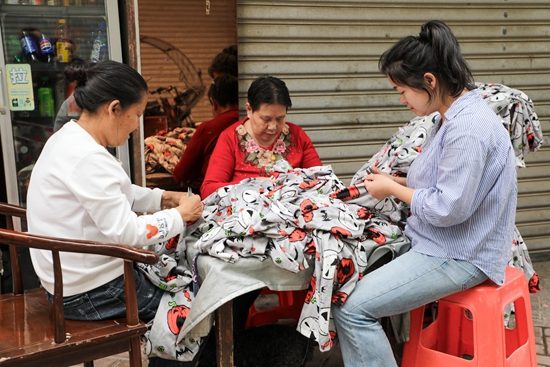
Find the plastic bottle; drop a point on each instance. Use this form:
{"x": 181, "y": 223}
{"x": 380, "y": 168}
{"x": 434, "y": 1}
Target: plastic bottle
{"x": 37, "y": 2}
{"x": 29, "y": 46}
{"x": 99, "y": 46}
{"x": 72, "y": 108}
{"x": 12, "y": 2}
{"x": 53, "y": 2}
{"x": 63, "y": 44}
{"x": 45, "y": 97}
{"x": 46, "y": 48}
{"x": 13, "y": 47}
{"x": 59, "y": 91}
{"x": 81, "y": 43}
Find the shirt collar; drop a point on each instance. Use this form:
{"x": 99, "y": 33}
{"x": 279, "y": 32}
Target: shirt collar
{"x": 461, "y": 102}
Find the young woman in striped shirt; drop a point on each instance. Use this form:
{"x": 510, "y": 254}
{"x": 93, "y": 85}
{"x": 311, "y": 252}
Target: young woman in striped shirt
{"x": 461, "y": 190}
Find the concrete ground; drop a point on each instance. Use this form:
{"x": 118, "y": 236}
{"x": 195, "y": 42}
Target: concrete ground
{"x": 541, "y": 318}
{"x": 540, "y": 303}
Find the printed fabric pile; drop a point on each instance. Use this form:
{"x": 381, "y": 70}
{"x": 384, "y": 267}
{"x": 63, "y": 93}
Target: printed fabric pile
{"x": 310, "y": 217}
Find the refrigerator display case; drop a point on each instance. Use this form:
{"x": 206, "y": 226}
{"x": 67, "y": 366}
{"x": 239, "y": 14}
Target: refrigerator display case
{"x": 39, "y": 39}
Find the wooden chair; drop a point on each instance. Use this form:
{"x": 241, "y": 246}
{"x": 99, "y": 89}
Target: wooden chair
{"x": 33, "y": 332}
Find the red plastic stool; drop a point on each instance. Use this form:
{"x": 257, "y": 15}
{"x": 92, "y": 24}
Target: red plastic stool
{"x": 469, "y": 328}
{"x": 272, "y": 307}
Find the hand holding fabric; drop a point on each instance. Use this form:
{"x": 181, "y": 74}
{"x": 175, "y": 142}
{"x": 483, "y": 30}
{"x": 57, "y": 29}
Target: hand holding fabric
{"x": 378, "y": 183}
{"x": 190, "y": 207}
{"x": 171, "y": 199}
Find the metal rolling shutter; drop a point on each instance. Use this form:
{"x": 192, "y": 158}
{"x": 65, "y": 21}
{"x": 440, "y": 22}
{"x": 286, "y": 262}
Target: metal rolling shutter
{"x": 199, "y": 36}
{"x": 327, "y": 52}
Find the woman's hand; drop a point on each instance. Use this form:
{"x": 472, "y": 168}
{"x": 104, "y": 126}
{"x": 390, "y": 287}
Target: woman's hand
{"x": 171, "y": 199}
{"x": 377, "y": 171}
{"x": 379, "y": 183}
{"x": 190, "y": 207}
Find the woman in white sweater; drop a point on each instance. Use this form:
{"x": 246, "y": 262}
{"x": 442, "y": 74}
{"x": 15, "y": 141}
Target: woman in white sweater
{"x": 79, "y": 190}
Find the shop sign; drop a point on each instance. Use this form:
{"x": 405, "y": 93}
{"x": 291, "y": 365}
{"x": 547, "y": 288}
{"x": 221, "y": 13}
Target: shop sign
{"x": 20, "y": 89}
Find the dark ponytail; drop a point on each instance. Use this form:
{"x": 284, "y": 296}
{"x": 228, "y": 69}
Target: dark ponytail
{"x": 435, "y": 50}
{"x": 105, "y": 82}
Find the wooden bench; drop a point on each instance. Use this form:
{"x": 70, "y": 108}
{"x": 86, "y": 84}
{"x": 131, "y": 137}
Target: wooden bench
{"x": 33, "y": 332}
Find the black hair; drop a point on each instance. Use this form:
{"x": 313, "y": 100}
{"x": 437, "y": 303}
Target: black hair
{"x": 225, "y": 62}
{"x": 435, "y": 50}
{"x": 270, "y": 90}
{"x": 105, "y": 82}
{"x": 225, "y": 90}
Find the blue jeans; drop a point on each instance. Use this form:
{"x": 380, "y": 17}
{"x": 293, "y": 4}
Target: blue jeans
{"x": 108, "y": 301}
{"x": 406, "y": 283}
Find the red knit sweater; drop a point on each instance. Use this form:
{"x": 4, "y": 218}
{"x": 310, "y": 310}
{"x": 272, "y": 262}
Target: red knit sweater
{"x": 193, "y": 163}
{"x": 236, "y": 157}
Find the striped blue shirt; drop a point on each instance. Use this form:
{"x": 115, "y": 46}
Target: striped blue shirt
{"x": 465, "y": 182}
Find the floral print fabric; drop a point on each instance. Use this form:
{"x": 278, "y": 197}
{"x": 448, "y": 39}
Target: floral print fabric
{"x": 294, "y": 222}
{"x": 311, "y": 217}
{"x": 172, "y": 274}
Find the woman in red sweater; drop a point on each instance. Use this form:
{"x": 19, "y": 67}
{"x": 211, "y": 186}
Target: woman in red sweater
{"x": 250, "y": 147}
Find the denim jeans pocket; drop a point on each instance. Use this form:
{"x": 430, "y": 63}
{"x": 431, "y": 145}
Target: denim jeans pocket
{"x": 80, "y": 307}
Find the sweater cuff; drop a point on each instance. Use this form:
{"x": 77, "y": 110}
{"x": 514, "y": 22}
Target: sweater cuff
{"x": 157, "y": 199}
{"x": 178, "y": 226}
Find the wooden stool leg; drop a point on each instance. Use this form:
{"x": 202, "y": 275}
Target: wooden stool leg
{"x": 224, "y": 335}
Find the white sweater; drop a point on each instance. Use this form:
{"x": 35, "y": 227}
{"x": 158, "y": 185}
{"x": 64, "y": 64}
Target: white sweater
{"x": 78, "y": 190}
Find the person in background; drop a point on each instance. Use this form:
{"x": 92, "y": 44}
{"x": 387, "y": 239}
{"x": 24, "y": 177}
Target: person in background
{"x": 462, "y": 193}
{"x": 225, "y": 63}
{"x": 79, "y": 190}
{"x": 69, "y": 109}
{"x": 224, "y": 101}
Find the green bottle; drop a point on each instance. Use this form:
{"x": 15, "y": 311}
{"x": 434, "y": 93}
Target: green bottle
{"x": 45, "y": 97}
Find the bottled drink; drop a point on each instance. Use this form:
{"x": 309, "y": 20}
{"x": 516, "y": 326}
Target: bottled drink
{"x": 12, "y": 2}
{"x": 80, "y": 42}
{"x": 37, "y": 2}
{"x": 13, "y": 46}
{"x": 24, "y": 2}
{"x": 99, "y": 46}
{"x": 63, "y": 44}
{"x": 48, "y": 54}
{"x": 45, "y": 97}
{"x": 29, "y": 46}
{"x": 72, "y": 108}
{"x": 59, "y": 91}
{"x": 66, "y": 2}
{"x": 53, "y": 2}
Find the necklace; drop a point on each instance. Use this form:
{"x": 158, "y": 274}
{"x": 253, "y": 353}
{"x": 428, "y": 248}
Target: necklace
{"x": 263, "y": 157}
